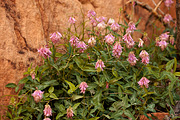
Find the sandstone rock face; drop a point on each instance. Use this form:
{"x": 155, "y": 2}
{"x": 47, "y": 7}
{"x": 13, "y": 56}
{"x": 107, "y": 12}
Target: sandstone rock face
{"x": 25, "y": 25}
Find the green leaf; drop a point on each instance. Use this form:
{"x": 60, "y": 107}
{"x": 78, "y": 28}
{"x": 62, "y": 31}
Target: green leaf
{"x": 106, "y": 76}
{"x": 95, "y": 118}
{"x": 175, "y": 65}
{"x": 76, "y": 97}
{"x": 129, "y": 114}
{"x": 177, "y": 74}
{"x": 52, "y": 95}
{"x": 22, "y": 81}
{"x": 75, "y": 106}
{"x": 72, "y": 87}
{"x": 61, "y": 108}
{"x": 59, "y": 115}
{"x": 11, "y": 85}
{"x": 51, "y": 89}
{"x": 19, "y": 110}
{"x": 114, "y": 72}
{"x": 150, "y": 107}
{"x": 171, "y": 98}
{"x": 169, "y": 65}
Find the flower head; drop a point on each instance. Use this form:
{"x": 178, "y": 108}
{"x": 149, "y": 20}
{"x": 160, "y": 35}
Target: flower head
{"x": 163, "y": 44}
{"x": 167, "y": 18}
{"x": 109, "y": 39}
{"x": 144, "y": 56}
{"x": 164, "y": 36}
{"x": 128, "y": 40}
{"x": 70, "y": 113}
{"x": 74, "y": 41}
{"x": 93, "y": 22}
{"x": 83, "y": 87}
{"x": 168, "y": 3}
{"x": 82, "y": 46}
{"x": 72, "y": 20}
{"x": 131, "y": 27}
{"x": 100, "y": 64}
{"x": 37, "y": 95}
{"x": 115, "y": 26}
{"x": 101, "y": 19}
{"x": 101, "y": 25}
{"x": 47, "y": 110}
{"x": 44, "y": 52}
{"x": 132, "y": 58}
{"x": 144, "y": 82}
{"x": 55, "y": 37}
{"x": 91, "y": 41}
{"x": 117, "y": 49}
{"x": 111, "y": 21}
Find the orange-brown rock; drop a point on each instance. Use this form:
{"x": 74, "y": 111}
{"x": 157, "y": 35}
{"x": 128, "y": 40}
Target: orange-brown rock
{"x": 25, "y": 25}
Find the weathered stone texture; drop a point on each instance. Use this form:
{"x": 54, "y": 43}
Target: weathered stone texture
{"x": 25, "y": 25}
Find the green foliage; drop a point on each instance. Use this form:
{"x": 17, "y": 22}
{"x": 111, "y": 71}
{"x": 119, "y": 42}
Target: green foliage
{"x": 112, "y": 93}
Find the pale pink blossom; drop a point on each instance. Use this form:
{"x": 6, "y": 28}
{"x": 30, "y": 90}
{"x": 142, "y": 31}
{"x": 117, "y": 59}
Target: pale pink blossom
{"x": 72, "y": 20}
{"x": 91, "y": 14}
{"x": 144, "y": 82}
{"x": 47, "y": 110}
{"x": 117, "y": 50}
{"x": 70, "y": 113}
{"x": 115, "y": 27}
{"x": 111, "y": 21}
{"x": 132, "y": 58}
{"x": 55, "y": 37}
{"x": 145, "y": 60}
{"x": 143, "y": 53}
{"x": 91, "y": 41}
{"x": 128, "y": 40}
{"x": 172, "y": 40}
{"x": 101, "y": 19}
{"x": 37, "y": 95}
{"x": 109, "y": 39}
{"x": 144, "y": 56}
{"x": 100, "y": 64}
{"x": 141, "y": 42}
{"x": 83, "y": 87}
{"x": 168, "y": 3}
{"x": 82, "y": 46}
{"x": 167, "y": 18}
{"x": 46, "y": 119}
{"x": 44, "y": 52}
{"x": 101, "y": 25}
{"x": 74, "y": 41}
{"x": 164, "y": 36}
{"x": 131, "y": 27}
{"x": 163, "y": 44}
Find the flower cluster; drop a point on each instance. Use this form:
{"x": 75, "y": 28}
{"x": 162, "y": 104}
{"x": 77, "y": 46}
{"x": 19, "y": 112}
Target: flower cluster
{"x": 117, "y": 49}
{"x": 109, "y": 39}
{"x": 70, "y": 113}
{"x": 144, "y": 56}
{"x": 55, "y": 37}
{"x": 83, "y": 87}
{"x": 163, "y": 40}
{"x": 167, "y": 18}
{"x": 47, "y": 110}
{"x": 132, "y": 59}
{"x": 37, "y": 95}
{"x": 144, "y": 82}
{"x": 100, "y": 64}
{"x": 44, "y": 52}
{"x": 168, "y": 3}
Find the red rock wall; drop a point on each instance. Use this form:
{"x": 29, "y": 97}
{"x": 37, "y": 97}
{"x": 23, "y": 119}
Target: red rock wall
{"x": 25, "y": 25}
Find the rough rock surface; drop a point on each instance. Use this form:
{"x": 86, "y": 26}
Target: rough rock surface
{"x": 25, "y": 25}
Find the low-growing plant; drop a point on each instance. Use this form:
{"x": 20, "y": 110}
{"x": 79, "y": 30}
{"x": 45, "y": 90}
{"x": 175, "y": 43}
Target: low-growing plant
{"x": 103, "y": 74}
